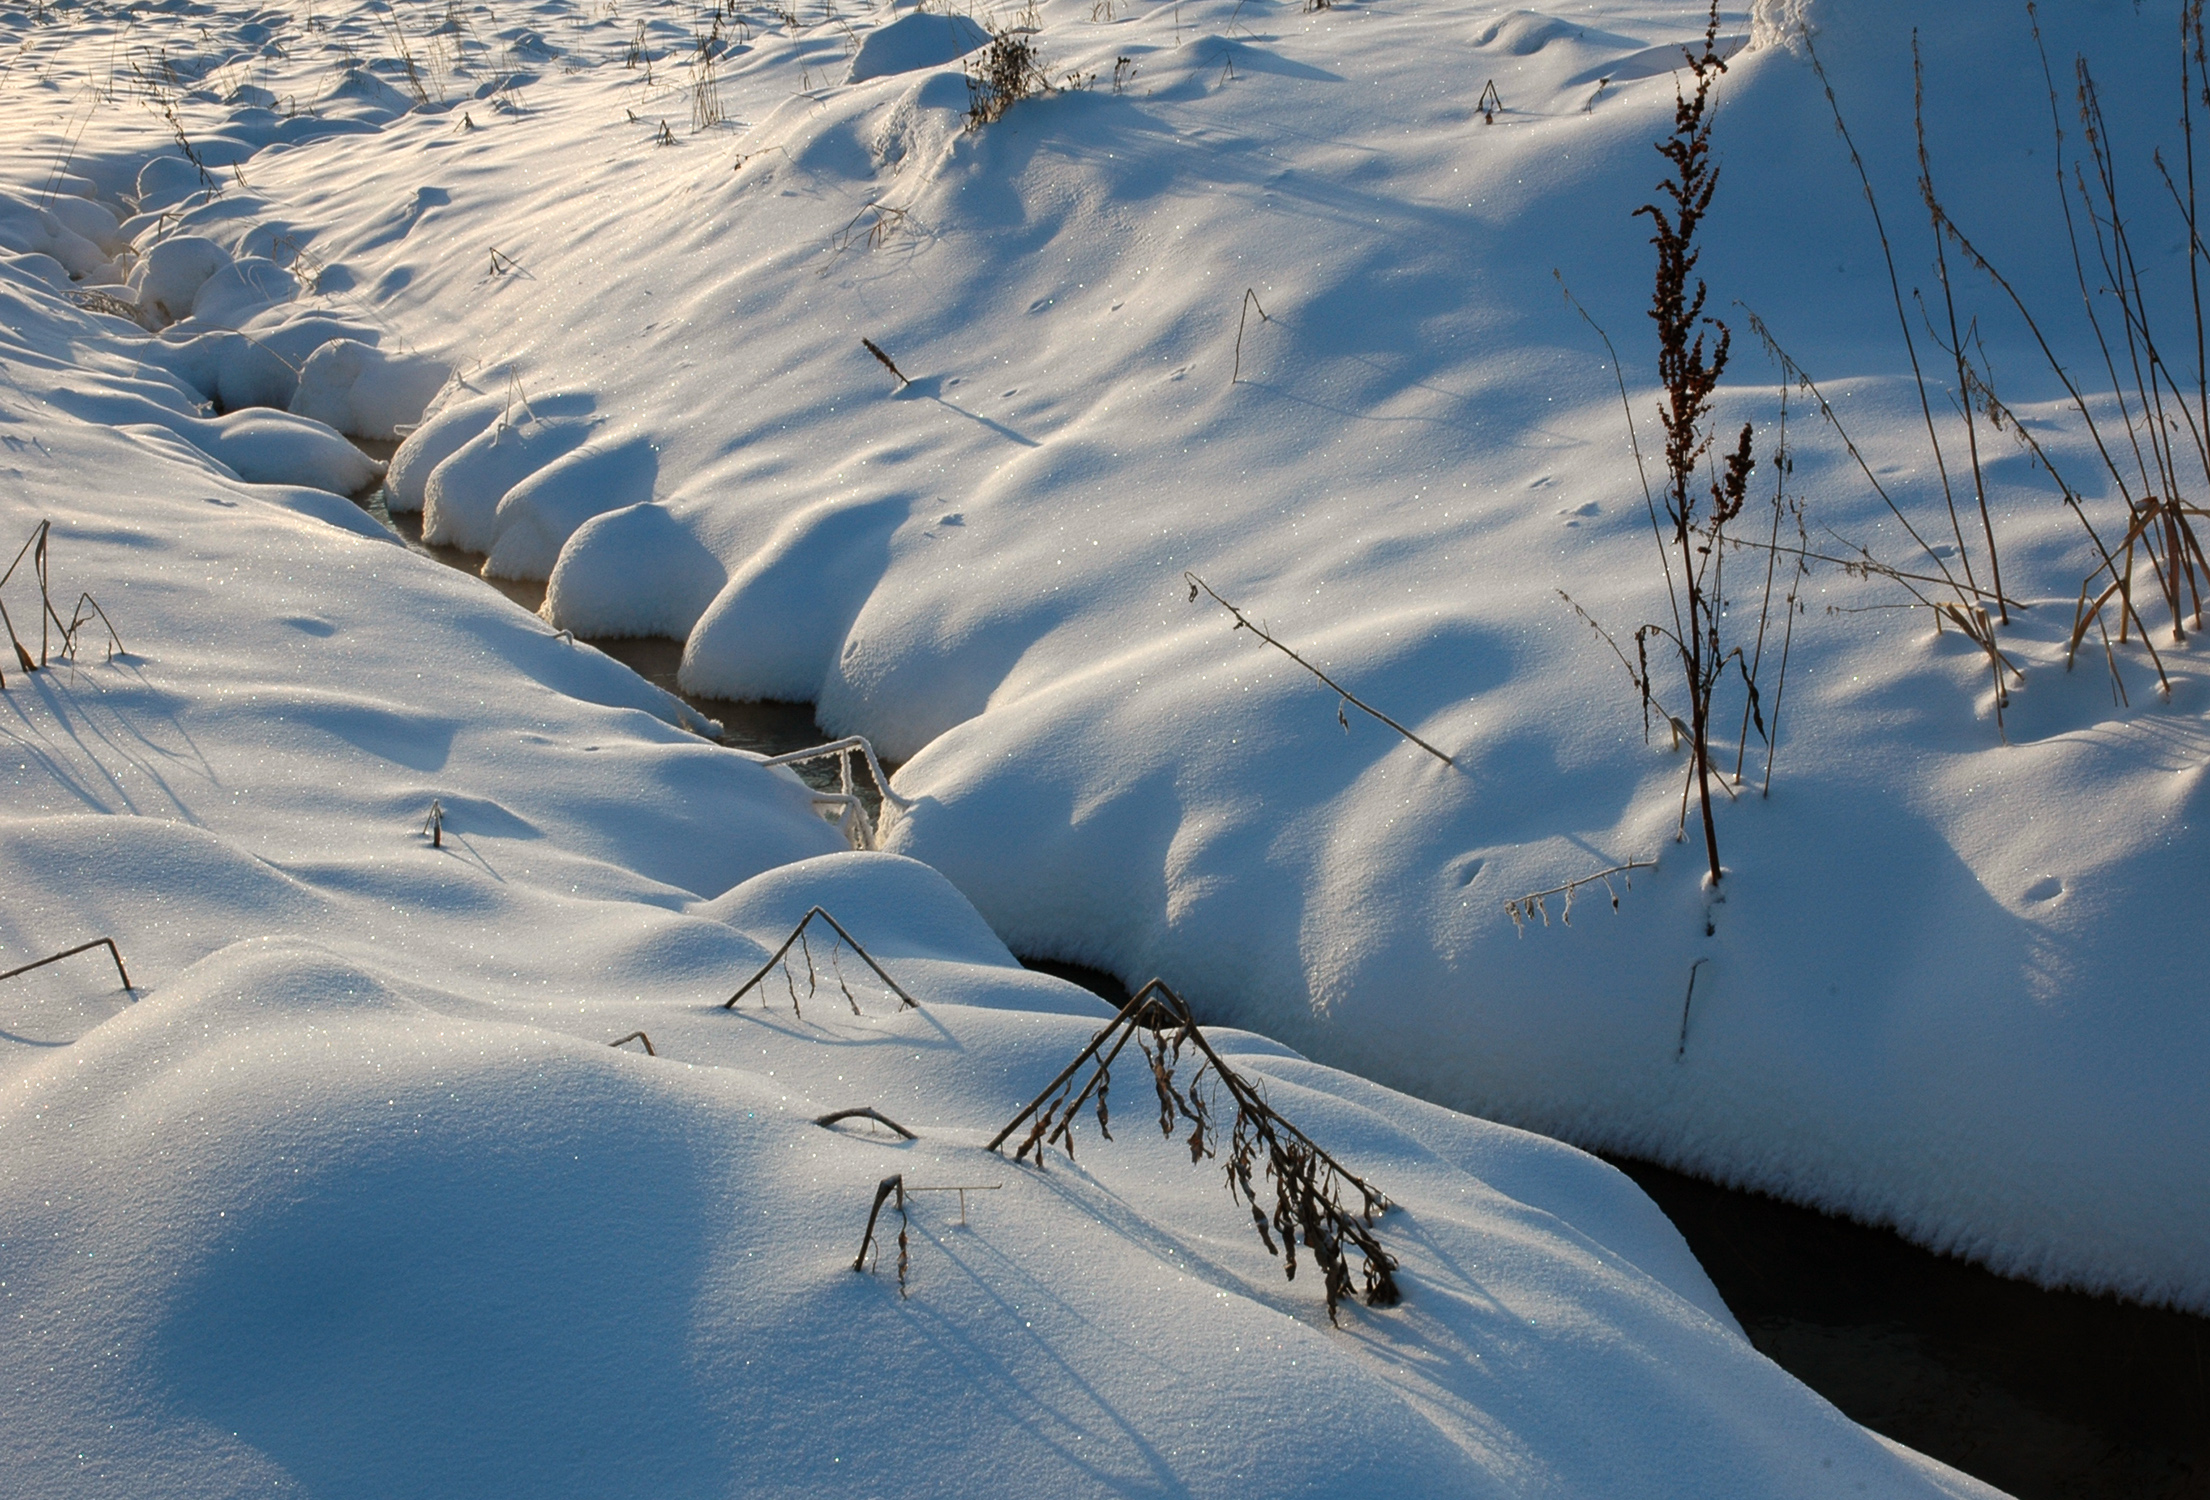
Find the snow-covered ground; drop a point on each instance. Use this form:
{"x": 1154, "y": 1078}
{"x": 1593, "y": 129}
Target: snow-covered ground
{"x": 1946, "y": 988}
{"x": 353, "y": 1198}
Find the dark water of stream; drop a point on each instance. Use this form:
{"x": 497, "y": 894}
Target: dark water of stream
{"x": 2048, "y": 1395}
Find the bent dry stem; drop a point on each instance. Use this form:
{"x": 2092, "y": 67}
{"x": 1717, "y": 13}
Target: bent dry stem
{"x": 1244, "y": 622}
{"x": 1310, "y": 1186}
{"x": 797, "y": 937}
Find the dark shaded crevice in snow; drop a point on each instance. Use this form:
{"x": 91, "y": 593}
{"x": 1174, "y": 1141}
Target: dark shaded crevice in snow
{"x": 1099, "y": 983}
{"x": 2041, "y": 1393}
{"x": 767, "y": 728}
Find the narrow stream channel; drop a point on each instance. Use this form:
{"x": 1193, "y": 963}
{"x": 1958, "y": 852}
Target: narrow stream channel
{"x": 2048, "y": 1395}
{"x": 766, "y": 728}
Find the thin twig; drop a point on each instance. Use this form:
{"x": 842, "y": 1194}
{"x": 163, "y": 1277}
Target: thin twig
{"x": 865, "y": 1113}
{"x": 1250, "y": 300}
{"x": 108, "y": 943}
{"x": 1528, "y": 907}
{"x": 795, "y": 934}
{"x": 1243, "y": 622}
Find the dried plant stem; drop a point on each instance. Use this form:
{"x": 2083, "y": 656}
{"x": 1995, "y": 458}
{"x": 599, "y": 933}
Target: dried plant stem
{"x": 865, "y": 1112}
{"x": 1532, "y": 905}
{"x": 1956, "y": 343}
{"x": 890, "y": 1187}
{"x": 1244, "y": 622}
{"x": 1250, "y": 300}
{"x": 636, "y": 1036}
{"x": 796, "y": 935}
{"x": 1689, "y": 377}
{"x": 1682, "y": 1050}
{"x": 1895, "y": 288}
{"x": 55, "y": 958}
{"x": 1309, "y": 1185}
{"x": 876, "y": 349}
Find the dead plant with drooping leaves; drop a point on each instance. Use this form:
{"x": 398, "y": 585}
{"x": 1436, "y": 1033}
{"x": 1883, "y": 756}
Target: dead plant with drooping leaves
{"x": 1317, "y": 1200}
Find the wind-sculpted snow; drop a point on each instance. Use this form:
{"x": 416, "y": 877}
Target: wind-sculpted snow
{"x": 350, "y": 1196}
{"x": 1272, "y": 300}
{"x": 1397, "y": 460}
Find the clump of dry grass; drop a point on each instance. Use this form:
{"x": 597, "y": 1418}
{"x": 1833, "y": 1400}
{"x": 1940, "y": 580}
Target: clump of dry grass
{"x": 51, "y": 625}
{"x": 1005, "y": 72}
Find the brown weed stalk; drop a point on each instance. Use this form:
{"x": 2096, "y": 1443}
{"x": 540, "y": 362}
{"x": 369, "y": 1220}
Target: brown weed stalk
{"x": 1317, "y": 1200}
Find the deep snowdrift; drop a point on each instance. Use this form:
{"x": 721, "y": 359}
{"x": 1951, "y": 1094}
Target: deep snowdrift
{"x": 1943, "y": 990}
{"x": 353, "y": 1198}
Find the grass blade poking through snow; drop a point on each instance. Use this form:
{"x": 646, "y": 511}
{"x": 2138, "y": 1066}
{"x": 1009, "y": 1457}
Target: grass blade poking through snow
{"x": 1310, "y": 1187}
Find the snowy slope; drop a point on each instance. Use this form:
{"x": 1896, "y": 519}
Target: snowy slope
{"x": 1942, "y": 991}
{"x": 351, "y": 1196}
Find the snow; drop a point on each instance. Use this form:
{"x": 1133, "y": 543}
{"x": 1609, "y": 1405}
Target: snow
{"x": 913, "y": 42}
{"x": 358, "y": 389}
{"x": 1269, "y": 301}
{"x": 350, "y": 1195}
{"x": 1422, "y": 447}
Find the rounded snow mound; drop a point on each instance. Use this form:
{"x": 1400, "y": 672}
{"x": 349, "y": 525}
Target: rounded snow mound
{"x": 913, "y": 42}
{"x": 593, "y": 587}
{"x": 535, "y": 518}
{"x": 168, "y": 279}
{"x": 359, "y": 389}
{"x": 460, "y": 503}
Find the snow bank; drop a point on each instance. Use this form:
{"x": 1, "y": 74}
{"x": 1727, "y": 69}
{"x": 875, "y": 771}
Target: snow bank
{"x": 1398, "y": 466}
{"x": 460, "y": 500}
{"x": 593, "y": 584}
{"x": 441, "y": 434}
{"x": 536, "y": 517}
{"x": 359, "y": 389}
{"x": 351, "y": 1194}
{"x": 773, "y": 630}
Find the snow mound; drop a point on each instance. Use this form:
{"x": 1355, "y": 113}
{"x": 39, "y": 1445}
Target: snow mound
{"x": 593, "y": 584}
{"x": 777, "y": 626}
{"x": 442, "y": 433}
{"x": 359, "y": 389}
{"x": 270, "y": 447}
{"x": 58, "y": 228}
{"x": 237, "y": 292}
{"x": 896, "y": 907}
{"x": 167, "y": 181}
{"x": 169, "y": 276}
{"x": 226, "y": 368}
{"x": 460, "y": 501}
{"x": 290, "y": 1204}
{"x": 914, "y": 41}
{"x": 536, "y": 517}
